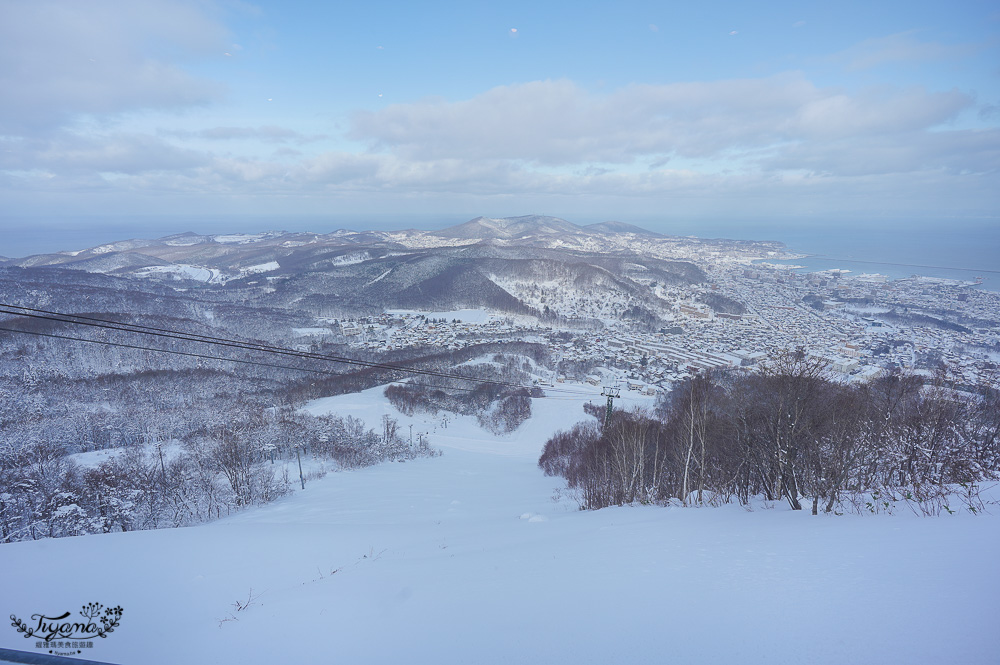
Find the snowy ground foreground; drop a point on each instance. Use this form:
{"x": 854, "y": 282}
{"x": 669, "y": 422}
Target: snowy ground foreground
{"x": 466, "y": 558}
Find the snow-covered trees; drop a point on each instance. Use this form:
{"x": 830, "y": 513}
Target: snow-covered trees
{"x": 498, "y": 403}
{"x": 787, "y": 433}
{"x": 208, "y": 470}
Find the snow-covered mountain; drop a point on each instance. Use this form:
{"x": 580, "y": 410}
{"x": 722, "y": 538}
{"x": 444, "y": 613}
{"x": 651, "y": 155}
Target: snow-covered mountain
{"x": 532, "y": 264}
{"x": 509, "y": 227}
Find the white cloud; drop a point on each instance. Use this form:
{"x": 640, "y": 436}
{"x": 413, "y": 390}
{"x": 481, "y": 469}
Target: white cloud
{"x": 553, "y": 123}
{"x": 948, "y": 152}
{"x": 882, "y": 180}
{"x": 60, "y": 59}
{"x": 878, "y": 111}
{"x": 747, "y": 143}
{"x": 68, "y": 154}
{"x": 265, "y": 133}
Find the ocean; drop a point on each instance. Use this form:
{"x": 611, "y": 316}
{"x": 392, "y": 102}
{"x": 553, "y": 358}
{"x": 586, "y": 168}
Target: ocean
{"x": 963, "y": 254}
{"x": 962, "y": 250}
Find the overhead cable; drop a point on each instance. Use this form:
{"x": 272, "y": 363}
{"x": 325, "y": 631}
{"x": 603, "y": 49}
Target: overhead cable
{"x": 77, "y": 319}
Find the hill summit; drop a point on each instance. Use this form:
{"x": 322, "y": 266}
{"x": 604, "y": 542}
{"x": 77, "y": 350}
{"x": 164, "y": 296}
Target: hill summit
{"x": 509, "y": 227}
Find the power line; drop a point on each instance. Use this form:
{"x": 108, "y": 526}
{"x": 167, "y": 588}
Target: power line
{"x": 173, "y": 352}
{"x": 254, "y": 346}
{"x": 76, "y": 319}
{"x": 219, "y": 358}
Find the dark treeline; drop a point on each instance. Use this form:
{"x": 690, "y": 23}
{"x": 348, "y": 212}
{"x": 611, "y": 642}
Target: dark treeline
{"x": 918, "y": 319}
{"x": 788, "y": 433}
{"x": 722, "y": 304}
{"x": 499, "y": 407}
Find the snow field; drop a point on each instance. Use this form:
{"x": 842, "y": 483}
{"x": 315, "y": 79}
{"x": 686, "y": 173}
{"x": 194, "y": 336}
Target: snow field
{"x": 469, "y": 558}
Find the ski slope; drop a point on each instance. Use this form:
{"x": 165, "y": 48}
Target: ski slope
{"x": 475, "y": 557}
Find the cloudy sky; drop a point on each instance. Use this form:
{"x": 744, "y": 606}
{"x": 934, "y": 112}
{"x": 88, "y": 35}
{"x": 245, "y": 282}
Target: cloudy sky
{"x": 630, "y": 110}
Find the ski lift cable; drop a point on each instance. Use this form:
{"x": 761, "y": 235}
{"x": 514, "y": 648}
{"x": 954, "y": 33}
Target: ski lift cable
{"x": 203, "y": 356}
{"x": 164, "y": 332}
{"x": 251, "y": 346}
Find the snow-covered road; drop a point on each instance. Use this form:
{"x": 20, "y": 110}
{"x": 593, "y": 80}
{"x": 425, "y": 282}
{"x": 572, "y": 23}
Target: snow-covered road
{"x": 470, "y": 558}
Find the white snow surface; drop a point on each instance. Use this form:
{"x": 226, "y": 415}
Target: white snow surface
{"x": 262, "y": 267}
{"x": 468, "y": 558}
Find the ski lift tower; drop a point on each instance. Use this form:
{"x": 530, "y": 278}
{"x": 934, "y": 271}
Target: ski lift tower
{"x": 611, "y": 392}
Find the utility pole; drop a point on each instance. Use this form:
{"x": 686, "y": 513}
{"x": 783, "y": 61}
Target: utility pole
{"x": 163, "y": 468}
{"x": 302, "y": 478}
{"x": 611, "y": 392}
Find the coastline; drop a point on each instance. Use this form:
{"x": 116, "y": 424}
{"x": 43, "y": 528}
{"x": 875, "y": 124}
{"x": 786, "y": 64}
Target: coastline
{"x": 805, "y": 263}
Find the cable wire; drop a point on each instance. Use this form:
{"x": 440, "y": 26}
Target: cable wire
{"x": 253, "y": 346}
{"x": 233, "y": 360}
{"x": 174, "y": 334}
{"x": 78, "y": 319}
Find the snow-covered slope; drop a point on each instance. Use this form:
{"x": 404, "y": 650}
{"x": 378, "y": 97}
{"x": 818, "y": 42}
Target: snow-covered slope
{"x": 472, "y": 557}
{"x": 509, "y": 227}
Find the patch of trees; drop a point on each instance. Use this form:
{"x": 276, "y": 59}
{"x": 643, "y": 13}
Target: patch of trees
{"x": 642, "y": 317}
{"x": 722, "y": 304}
{"x": 460, "y": 284}
{"x": 216, "y": 464}
{"x": 499, "y": 408}
{"x": 788, "y": 433}
{"x": 814, "y": 301}
{"x": 914, "y": 319}
{"x": 578, "y": 369}
{"x": 674, "y": 272}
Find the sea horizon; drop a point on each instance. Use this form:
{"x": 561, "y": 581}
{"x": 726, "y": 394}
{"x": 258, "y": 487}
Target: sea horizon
{"x": 967, "y": 250}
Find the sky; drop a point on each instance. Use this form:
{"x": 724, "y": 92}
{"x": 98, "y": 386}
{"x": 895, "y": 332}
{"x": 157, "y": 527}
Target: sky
{"x": 155, "y": 116}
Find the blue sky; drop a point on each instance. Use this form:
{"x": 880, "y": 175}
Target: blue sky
{"x": 656, "y": 112}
